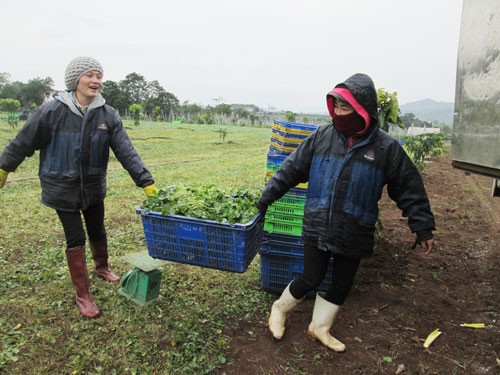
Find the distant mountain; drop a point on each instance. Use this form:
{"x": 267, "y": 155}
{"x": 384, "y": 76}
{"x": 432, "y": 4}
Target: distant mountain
{"x": 430, "y": 110}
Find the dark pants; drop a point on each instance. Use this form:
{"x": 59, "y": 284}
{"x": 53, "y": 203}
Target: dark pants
{"x": 315, "y": 267}
{"x": 73, "y": 225}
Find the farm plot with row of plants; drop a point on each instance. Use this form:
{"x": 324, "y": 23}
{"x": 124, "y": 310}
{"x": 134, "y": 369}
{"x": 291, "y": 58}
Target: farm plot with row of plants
{"x": 182, "y": 332}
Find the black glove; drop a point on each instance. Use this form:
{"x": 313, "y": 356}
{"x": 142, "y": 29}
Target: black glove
{"x": 262, "y": 207}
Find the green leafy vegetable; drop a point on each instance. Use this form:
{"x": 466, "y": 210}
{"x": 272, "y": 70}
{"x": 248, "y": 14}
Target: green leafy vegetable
{"x": 388, "y": 109}
{"x": 206, "y": 202}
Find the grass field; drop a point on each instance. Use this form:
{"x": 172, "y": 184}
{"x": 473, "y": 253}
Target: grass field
{"x": 182, "y": 332}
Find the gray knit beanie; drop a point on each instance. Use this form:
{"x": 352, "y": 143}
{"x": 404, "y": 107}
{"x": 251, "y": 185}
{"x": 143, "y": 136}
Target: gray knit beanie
{"x": 77, "y": 68}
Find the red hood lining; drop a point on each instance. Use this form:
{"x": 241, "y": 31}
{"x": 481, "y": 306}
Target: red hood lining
{"x": 349, "y": 98}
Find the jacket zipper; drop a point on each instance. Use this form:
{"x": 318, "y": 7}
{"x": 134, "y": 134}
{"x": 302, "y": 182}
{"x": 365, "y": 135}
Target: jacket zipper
{"x": 82, "y": 142}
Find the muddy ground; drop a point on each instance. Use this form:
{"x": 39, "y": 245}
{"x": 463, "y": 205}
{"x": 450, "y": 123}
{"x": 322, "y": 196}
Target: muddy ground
{"x": 400, "y": 296}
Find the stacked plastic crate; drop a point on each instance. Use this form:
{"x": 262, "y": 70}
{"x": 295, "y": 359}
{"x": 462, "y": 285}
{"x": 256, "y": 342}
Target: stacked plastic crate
{"x": 282, "y": 251}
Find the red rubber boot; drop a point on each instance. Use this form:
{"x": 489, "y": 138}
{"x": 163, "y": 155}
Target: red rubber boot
{"x": 80, "y": 277}
{"x": 100, "y": 254}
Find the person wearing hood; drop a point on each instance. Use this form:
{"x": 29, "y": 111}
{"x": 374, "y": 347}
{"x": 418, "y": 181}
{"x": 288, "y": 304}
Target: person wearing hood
{"x": 74, "y": 133}
{"x": 346, "y": 164}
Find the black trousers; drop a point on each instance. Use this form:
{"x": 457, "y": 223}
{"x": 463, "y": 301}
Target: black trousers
{"x": 315, "y": 267}
{"x": 73, "y": 225}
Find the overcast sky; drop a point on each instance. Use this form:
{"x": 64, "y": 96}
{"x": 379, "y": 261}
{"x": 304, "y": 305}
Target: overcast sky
{"x": 284, "y": 54}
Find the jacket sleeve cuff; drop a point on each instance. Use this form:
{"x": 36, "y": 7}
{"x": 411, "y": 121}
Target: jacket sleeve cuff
{"x": 424, "y": 235}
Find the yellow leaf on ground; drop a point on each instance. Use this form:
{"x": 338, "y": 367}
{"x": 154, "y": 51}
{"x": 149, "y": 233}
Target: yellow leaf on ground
{"x": 432, "y": 336}
{"x": 472, "y": 325}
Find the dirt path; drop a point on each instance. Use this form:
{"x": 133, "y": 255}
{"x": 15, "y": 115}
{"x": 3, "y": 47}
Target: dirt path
{"x": 400, "y": 296}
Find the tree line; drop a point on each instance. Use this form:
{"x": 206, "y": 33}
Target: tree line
{"x": 137, "y": 98}
{"x": 17, "y": 95}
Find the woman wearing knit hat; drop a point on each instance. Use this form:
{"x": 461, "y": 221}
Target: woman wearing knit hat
{"x": 347, "y": 164}
{"x": 74, "y": 133}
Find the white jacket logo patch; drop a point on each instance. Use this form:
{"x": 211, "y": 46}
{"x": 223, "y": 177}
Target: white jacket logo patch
{"x": 102, "y": 126}
{"x": 370, "y": 155}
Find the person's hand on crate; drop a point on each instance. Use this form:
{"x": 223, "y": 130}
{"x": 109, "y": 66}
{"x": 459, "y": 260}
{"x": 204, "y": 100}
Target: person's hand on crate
{"x": 151, "y": 190}
{"x": 3, "y": 177}
{"x": 262, "y": 207}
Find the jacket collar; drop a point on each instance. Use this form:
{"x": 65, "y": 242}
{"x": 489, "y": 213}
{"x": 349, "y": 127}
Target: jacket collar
{"x": 66, "y": 97}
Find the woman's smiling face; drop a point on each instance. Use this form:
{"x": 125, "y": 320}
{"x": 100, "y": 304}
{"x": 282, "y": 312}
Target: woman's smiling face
{"x": 88, "y": 86}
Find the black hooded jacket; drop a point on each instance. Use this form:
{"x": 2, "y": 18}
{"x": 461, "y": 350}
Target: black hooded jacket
{"x": 345, "y": 183}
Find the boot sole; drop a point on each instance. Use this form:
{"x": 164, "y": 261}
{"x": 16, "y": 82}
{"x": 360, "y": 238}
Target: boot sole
{"x": 314, "y": 338}
{"x": 107, "y": 279}
{"x": 88, "y": 316}
{"x": 274, "y": 337}
{"x": 272, "y": 333}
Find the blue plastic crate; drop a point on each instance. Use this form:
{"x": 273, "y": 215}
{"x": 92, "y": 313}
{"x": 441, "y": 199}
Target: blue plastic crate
{"x": 278, "y": 270}
{"x": 276, "y": 158}
{"x": 277, "y": 151}
{"x": 298, "y": 192}
{"x": 282, "y": 244}
{"x": 284, "y": 148}
{"x": 293, "y": 137}
{"x": 284, "y": 144}
{"x": 277, "y": 237}
{"x": 295, "y": 127}
{"x": 284, "y": 248}
{"x": 204, "y": 243}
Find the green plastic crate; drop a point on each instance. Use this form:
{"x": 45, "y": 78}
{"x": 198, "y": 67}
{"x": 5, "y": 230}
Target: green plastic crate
{"x": 278, "y": 208}
{"x": 283, "y": 228}
{"x": 292, "y": 200}
{"x": 285, "y": 218}
{"x": 272, "y": 167}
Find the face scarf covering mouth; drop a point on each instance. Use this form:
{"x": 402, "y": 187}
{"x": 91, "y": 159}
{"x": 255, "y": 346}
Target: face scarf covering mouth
{"x": 349, "y": 124}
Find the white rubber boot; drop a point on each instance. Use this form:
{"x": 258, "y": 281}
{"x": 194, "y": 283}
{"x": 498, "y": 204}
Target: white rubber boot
{"x": 323, "y": 316}
{"x": 281, "y": 307}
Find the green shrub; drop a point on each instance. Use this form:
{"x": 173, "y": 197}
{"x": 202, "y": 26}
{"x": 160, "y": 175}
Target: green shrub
{"x": 419, "y": 147}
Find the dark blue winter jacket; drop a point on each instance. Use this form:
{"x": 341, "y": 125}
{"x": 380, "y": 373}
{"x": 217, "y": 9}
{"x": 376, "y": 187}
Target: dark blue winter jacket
{"x": 74, "y": 152}
{"x": 345, "y": 185}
